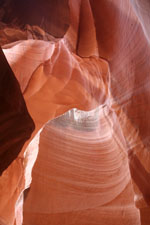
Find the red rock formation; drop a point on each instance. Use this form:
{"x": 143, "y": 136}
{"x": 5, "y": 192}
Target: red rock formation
{"x": 83, "y": 175}
{"x": 16, "y": 124}
{"x": 84, "y": 171}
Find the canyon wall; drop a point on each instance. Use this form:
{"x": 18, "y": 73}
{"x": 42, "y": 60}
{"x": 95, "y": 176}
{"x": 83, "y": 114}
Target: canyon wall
{"x": 75, "y": 102}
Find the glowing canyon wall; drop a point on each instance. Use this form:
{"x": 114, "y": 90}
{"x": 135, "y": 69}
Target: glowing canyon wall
{"x": 75, "y": 100}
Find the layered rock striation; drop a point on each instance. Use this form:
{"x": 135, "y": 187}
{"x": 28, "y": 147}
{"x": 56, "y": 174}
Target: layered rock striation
{"x": 83, "y": 71}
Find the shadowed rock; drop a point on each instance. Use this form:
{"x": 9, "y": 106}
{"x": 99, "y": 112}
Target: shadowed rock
{"x": 16, "y": 124}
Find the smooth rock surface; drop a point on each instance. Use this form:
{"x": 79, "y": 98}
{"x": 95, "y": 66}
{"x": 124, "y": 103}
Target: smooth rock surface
{"x": 93, "y": 167}
{"x": 16, "y": 125}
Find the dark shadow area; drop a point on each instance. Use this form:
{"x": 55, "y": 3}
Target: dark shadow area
{"x": 16, "y": 125}
{"x": 52, "y": 15}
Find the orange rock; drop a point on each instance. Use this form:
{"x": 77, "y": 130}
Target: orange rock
{"x": 92, "y": 65}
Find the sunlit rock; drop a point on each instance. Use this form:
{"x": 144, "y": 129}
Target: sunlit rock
{"x": 83, "y": 70}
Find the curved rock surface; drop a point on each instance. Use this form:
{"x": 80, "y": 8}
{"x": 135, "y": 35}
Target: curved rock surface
{"x": 93, "y": 164}
{"x": 13, "y": 114}
{"x": 84, "y": 171}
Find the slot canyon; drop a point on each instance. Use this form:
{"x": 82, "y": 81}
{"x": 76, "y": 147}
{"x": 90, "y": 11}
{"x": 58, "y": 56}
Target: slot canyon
{"x": 74, "y": 112}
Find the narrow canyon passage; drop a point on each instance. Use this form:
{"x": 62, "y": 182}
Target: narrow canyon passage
{"x": 75, "y": 100}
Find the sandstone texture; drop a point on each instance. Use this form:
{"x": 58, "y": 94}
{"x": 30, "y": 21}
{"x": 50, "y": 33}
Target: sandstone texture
{"x": 74, "y": 115}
